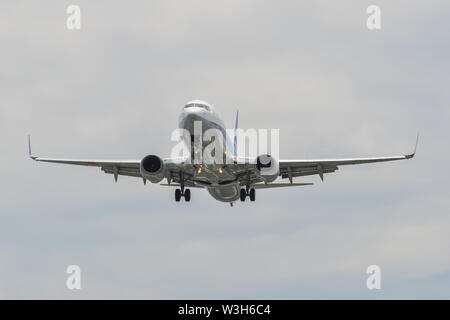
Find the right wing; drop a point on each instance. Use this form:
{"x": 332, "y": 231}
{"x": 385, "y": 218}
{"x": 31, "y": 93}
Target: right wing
{"x": 115, "y": 167}
{"x": 175, "y": 167}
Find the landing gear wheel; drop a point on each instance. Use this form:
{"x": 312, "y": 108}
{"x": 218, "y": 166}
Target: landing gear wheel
{"x": 243, "y": 194}
{"x": 252, "y": 194}
{"x": 177, "y": 195}
{"x": 187, "y": 195}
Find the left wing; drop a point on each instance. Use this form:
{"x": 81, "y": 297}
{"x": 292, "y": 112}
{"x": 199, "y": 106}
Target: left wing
{"x": 297, "y": 168}
{"x": 289, "y": 169}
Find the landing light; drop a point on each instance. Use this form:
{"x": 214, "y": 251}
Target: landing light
{"x": 220, "y": 170}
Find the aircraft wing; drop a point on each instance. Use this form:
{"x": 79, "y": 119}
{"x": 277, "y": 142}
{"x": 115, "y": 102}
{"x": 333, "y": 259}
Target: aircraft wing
{"x": 297, "y": 168}
{"x": 115, "y": 167}
{"x": 290, "y": 169}
{"x": 175, "y": 167}
{"x": 243, "y": 172}
{"x": 131, "y": 168}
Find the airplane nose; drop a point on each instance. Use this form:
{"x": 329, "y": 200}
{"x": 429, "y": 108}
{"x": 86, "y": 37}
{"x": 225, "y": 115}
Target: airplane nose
{"x": 188, "y": 118}
{"x": 193, "y": 110}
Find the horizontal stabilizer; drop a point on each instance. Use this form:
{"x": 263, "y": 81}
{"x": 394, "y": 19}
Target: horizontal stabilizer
{"x": 177, "y": 185}
{"x": 279, "y": 185}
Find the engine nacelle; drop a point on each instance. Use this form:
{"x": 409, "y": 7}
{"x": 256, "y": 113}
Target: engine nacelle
{"x": 268, "y": 167}
{"x": 152, "y": 168}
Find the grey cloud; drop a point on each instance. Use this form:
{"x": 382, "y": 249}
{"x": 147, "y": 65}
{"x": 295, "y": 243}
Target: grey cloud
{"x": 115, "y": 89}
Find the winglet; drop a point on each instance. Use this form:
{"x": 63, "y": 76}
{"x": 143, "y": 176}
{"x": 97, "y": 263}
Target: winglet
{"x": 409, "y": 156}
{"x": 29, "y": 149}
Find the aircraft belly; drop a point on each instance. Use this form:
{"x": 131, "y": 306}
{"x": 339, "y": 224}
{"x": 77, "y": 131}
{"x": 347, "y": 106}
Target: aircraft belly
{"x": 226, "y": 193}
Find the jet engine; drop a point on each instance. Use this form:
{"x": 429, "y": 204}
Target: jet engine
{"x": 267, "y": 167}
{"x": 152, "y": 168}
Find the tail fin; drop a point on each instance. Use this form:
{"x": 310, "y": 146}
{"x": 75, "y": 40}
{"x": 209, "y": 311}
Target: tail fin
{"x": 235, "y": 133}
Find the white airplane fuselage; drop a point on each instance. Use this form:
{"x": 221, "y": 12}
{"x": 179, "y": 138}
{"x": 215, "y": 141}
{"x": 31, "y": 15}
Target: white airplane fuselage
{"x": 221, "y": 184}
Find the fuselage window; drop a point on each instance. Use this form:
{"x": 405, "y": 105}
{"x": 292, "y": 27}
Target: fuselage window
{"x": 197, "y": 105}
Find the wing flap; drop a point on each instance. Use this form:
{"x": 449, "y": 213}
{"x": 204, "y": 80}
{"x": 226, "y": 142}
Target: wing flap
{"x": 123, "y": 171}
{"x": 307, "y": 171}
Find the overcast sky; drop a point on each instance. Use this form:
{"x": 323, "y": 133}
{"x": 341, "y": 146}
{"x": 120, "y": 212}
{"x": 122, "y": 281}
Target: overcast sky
{"x": 312, "y": 69}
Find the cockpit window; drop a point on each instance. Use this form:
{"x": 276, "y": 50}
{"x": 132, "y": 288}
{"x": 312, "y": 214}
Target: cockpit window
{"x": 198, "y": 105}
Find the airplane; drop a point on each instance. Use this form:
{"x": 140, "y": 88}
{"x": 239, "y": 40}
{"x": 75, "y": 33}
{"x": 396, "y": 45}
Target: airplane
{"x": 237, "y": 178}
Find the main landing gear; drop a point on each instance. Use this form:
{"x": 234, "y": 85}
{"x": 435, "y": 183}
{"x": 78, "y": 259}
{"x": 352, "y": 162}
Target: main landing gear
{"x": 248, "y": 192}
{"x": 181, "y": 192}
{"x": 186, "y": 194}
